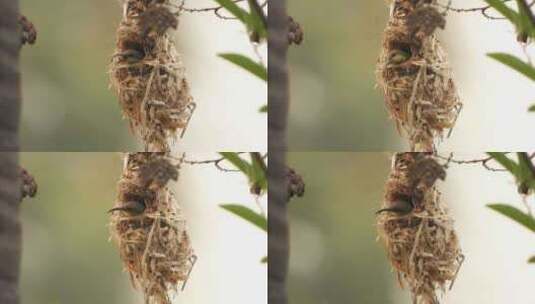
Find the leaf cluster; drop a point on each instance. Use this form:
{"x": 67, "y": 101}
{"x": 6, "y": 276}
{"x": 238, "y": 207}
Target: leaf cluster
{"x": 524, "y": 173}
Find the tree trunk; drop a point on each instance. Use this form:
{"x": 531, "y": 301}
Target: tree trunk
{"x": 9, "y": 75}
{"x": 10, "y": 231}
{"x": 278, "y": 192}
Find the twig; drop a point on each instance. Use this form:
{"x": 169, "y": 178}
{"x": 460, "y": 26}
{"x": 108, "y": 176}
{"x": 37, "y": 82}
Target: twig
{"x": 483, "y": 9}
{"x": 483, "y": 161}
{"x": 215, "y": 162}
{"x": 216, "y": 10}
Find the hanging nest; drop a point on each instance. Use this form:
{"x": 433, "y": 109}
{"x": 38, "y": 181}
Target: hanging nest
{"x": 147, "y": 73}
{"x": 148, "y": 226}
{"x": 413, "y": 70}
{"x": 417, "y": 230}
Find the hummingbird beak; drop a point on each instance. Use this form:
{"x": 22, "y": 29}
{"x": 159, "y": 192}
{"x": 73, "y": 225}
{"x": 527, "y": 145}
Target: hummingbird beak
{"x": 387, "y": 210}
{"x": 116, "y": 209}
{"x": 399, "y": 207}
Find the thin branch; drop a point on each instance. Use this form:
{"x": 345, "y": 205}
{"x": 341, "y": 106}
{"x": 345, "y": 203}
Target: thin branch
{"x": 216, "y": 10}
{"x": 483, "y": 161}
{"x": 484, "y": 10}
{"x": 216, "y": 162}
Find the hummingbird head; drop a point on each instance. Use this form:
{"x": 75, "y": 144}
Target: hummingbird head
{"x": 397, "y": 56}
{"x": 400, "y": 206}
{"x": 131, "y": 207}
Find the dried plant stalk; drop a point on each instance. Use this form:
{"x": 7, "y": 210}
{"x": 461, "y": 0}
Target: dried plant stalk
{"x": 415, "y": 75}
{"x": 147, "y": 73}
{"x": 148, "y": 227}
{"x": 417, "y": 230}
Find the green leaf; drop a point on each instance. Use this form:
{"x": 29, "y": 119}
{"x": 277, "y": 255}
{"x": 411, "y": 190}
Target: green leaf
{"x": 503, "y": 9}
{"x": 264, "y": 260}
{"x": 247, "y": 214}
{"x": 526, "y": 24}
{"x": 506, "y": 162}
{"x": 531, "y": 108}
{"x": 246, "y": 63}
{"x": 514, "y": 63}
{"x": 234, "y": 9}
{"x": 257, "y": 23}
{"x": 264, "y": 109}
{"x": 258, "y": 174}
{"x": 252, "y": 21}
{"x": 524, "y": 164}
{"x": 515, "y": 214}
{"x": 235, "y": 159}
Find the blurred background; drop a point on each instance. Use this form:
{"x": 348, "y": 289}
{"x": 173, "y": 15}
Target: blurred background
{"x": 334, "y": 254}
{"x": 67, "y": 257}
{"x": 67, "y": 105}
{"x": 336, "y": 107}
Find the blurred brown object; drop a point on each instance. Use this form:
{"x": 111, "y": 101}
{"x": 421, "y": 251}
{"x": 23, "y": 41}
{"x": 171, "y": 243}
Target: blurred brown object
{"x": 28, "y": 186}
{"x": 28, "y": 33}
{"x": 295, "y": 32}
{"x": 296, "y": 184}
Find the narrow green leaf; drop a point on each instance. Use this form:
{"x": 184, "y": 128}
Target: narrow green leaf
{"x": 264, "y": 109}
{"x": 252, "y": 21}
{"x": 514, "y": 63}
{"x": 258, "y": 174}
{"x": 264, "y": 260}
{"x": 248, "y": 64}
{"x": 247, "y": 214}
{"x": 234, "y": 9}
{"x": 515, "y": 214}
{"x": 506, "y": 162}
{"x": 257, "y": 22}
{"x": 531, "y": 108}
{"x": 238, "y": 162}
{"x": 526, "y": 170}
{"x": 525, "y": 18}
{"x": 503, "y": 9}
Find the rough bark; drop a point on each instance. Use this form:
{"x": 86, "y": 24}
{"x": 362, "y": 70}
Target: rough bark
{"x": 9, "y": 75}
{"x": 10, "y": 231}
{"x": 278, "y": 192}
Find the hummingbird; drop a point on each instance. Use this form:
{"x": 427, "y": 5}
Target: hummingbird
{"x": 398, "y": 56}
{"x": 401, "y": 207}
{"x": 130, "y": 56}
{"x": 130, "y": 207}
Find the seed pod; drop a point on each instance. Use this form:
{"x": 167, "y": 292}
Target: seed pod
{"x": 421, "y": 243}
{"x": 150, "y": 229}
{"x": 147, "y": 74}
{"x": 414, "y": 73}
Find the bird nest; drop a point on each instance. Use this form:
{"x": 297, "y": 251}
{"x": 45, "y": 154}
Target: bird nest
{"x": 415, "y": 75}
{"x": 149, "y": 228}
{"x": 147, "y": 73}
{"x": 417, "y": 230}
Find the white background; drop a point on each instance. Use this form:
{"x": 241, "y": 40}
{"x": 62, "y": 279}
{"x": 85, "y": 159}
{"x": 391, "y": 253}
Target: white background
{"x": 228, "y": 98}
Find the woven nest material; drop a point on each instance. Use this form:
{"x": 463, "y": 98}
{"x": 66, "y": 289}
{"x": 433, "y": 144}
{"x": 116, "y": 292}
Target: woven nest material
{"x": 417, "y": 230}
{"x": 153, "y": 240}
{"x": 414, "y": 72}
{"x": 147, "y": 73}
